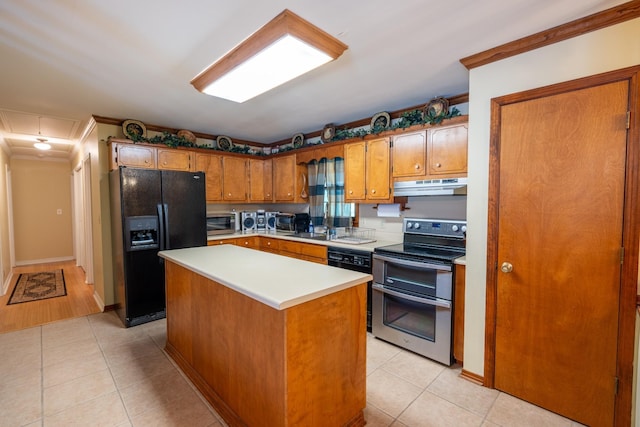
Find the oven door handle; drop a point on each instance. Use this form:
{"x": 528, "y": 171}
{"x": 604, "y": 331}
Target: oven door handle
{"x": 426, "y": 301}
{"x": 419, "y": 264}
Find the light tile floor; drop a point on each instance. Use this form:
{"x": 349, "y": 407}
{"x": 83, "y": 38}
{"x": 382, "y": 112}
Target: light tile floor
{"x": 91, "y": 371}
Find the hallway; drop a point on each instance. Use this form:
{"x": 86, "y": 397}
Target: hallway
{"x": 78, "y": 302}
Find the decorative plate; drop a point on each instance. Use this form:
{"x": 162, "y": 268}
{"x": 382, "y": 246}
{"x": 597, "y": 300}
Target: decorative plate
{"x": 381, "y": 120}
{"x": 297, "y": 140}
{"x": 328, "y": 132}
{"x": 187, "y": 135}
{"x": 436, "y": 107}
{"x": 224, "y": 143}
{"x": 133, "y": 129}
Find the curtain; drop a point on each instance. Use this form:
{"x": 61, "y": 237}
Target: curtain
{"x": 316, "y": 176}
{"x": 326, "y": 193}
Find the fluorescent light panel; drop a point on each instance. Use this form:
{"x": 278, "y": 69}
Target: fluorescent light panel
{"x": 285, "y": 48}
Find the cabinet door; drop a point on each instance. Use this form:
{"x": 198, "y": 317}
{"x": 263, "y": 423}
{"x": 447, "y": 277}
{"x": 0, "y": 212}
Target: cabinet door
{"x": 268, "y": 180}
{"x": 211, "y": 165}
{"x": 447, "y": 150}
{"x": 354, "y": 171}
{"x": 136, "y": 156}
{"x": 378, "y": 170}
{"x": 256, "y": 180}
{"x": 234, "y": 179}
{"x": 409, "y": 154}
{"x": 284, "y": 178}
{"x": 458, "y": 313}
{"x": 172, "y": 159}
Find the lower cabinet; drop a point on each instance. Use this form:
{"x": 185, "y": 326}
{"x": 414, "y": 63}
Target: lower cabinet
{"x": 299, "y": 250}
{"x": 458, "y": 313}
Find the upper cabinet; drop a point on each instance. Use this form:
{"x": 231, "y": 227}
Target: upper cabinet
{"x": 177, "y": 160}
{"x": 260, "y": 180}
{"x": 437, "y": 152}
{"x": 234, "y": 179}
{"x": 135, "y": 156}
{"x": 367, "y": 171}
{"x": 284, "y": 178}
{"x": 211, "y": 165}
{"x": 447, "y": 150}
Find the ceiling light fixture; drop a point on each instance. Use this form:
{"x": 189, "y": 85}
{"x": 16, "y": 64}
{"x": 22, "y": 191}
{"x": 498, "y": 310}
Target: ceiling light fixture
{"x": 283, "y": 49}
{"x": 42, "y": 142}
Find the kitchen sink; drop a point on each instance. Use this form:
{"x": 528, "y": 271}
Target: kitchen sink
{"x": 311, "y": 236}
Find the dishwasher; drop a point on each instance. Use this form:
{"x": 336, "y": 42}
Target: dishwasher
{"x": 355, "y": 260}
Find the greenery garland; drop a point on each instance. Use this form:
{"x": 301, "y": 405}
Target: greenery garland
{"x": 407, "y": 119}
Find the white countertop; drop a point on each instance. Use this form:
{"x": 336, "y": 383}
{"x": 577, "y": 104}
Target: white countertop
{"x": 277, "y": 281}
{"x": 369, "y": 247}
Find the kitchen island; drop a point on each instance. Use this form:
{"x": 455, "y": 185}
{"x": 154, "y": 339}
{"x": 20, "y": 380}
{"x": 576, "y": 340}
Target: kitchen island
{"x": 268, "y": 340}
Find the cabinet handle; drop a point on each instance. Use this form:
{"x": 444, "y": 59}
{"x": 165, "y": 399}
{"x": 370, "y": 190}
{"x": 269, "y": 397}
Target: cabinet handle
{"x": 146, "y": 161}
{"x": 417, "y": 167}
{"x": 438, "y": 165}
{"x": 350, "y": 191}
{"x": 373, "y": 191}
{"x": 288, "y": 194}
{"x": 229, "y": 194}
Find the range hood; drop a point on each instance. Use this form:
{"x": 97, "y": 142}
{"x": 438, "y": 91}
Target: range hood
{"x": 431, "y": 187}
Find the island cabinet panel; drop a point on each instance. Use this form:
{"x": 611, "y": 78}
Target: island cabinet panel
{"x": 211, "y": 165}
{"x": 172, "y": 159}
{"x": 259, "y": 366}
{"x": 234, "y": 180}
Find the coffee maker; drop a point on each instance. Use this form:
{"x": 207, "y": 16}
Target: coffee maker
{"x": 301, "y": 222}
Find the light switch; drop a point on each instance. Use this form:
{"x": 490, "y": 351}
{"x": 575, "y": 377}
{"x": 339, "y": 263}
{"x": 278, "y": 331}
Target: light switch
{"x": 59, "y": 211}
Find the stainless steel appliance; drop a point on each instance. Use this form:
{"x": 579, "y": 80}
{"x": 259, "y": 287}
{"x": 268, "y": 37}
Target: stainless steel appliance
{"x": 222, "y": 223}
{"x": 248, "y": 221}
{"x": 261, "y": 220}
{"x": 151, "y": 210}
{"x": 413, "y": 287}
{"x": 355, "y": 260}
{"x": 285, "y": 221}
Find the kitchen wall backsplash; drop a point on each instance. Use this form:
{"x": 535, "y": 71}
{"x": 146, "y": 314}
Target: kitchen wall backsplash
{"x": 437, "y": 207}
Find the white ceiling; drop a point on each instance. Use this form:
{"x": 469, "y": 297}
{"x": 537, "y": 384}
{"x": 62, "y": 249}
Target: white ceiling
{"x": 62, "y": 61}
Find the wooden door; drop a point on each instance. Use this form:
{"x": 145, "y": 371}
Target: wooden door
{"x": 256, "y": 180}
{"x": 378, "y": 170}
{"x": 172, "y": 159}
{"x": 284, "y": 176}
{"x": 560, "y": 231}
{"x": 137, "y": 156}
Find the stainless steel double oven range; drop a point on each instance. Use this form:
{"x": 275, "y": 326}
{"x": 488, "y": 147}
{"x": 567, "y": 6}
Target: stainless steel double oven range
{"x": 413, "y": 287}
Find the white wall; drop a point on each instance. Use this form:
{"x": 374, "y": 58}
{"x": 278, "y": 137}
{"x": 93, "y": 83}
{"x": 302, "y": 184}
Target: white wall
{"x": 593, "y": 53}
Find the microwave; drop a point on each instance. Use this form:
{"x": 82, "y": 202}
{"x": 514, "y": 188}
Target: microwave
{"x": 222, "y": 223}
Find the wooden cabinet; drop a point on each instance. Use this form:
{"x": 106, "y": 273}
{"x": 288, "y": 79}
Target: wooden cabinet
{"x": 434, "y": 153}
{"x": 177, "y": 160}
{"x": 304, "y": 251}
{"x": 211, "y": 165}
{"x": 367, "y": 171}
{"x": 269, "y": 244}
{"x": 409, "y": 153}
{"x": 447, "y": 150}
{"x": 248, "y": 241}
{"x": 458, "y": 313}
{"x": 234, "y": 179}
{"x": 330, "y": 151}
{"x": 132, "y": 155}
{"x": 260, "y": 180}
{"x": 284, "y": 178}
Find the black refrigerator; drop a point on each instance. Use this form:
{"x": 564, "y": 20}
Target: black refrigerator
{"x": 151, "y": 210}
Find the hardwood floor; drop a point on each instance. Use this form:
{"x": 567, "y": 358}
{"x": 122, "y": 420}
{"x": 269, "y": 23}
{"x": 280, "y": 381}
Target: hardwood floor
{"x": 78, "y": 302}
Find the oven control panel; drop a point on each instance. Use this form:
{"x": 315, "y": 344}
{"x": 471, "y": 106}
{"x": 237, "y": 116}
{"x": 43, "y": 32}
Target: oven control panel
{"x": 435, "y": 227}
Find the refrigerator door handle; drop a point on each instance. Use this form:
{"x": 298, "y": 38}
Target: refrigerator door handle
{"x": 165, "y": 208}
{"x": 161, "y": 226}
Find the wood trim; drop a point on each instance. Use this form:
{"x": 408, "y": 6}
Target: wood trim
{"x": 631, "y": 231}
{"x": 474, "y": 378}
{"x": 578, "y": 27}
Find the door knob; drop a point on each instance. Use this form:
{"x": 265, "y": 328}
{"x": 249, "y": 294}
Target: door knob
{"x": 506, "y": 267}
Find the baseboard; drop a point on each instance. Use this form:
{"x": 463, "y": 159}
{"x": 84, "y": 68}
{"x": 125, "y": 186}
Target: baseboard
{"x": 474, "y": 378}
{"x": 45, "y": 260}
{"x": 6, "y": 284}
{"x": 99, "y": 301}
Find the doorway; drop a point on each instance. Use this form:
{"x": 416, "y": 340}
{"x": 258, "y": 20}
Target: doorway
{"x": 563, "y": 248}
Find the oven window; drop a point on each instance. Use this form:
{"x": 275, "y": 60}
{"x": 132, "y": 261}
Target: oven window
{"x": 410, "y": 317}
{"x": 414, "y": 279}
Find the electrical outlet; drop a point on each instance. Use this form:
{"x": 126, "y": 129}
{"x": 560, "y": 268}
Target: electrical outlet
{"x": 59, "y": 211}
